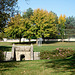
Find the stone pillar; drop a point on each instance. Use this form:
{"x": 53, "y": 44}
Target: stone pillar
{"x": 5, "y": 55}
{"x": 13, "y": 47}
{"x": 17, "y": 56}
{"x": 31, "y": 52}
{"x": 36, "y": 56}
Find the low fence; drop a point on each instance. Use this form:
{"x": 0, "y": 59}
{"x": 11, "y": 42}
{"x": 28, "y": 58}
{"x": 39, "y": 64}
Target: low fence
{"x": 26, "y": 40}
{"x": 71, "y": 39}
{"x": 16, "y": 40}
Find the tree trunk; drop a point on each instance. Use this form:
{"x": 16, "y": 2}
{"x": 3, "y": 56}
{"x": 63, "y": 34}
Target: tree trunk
{"x": 43, "y": 40}
{"x": 37, "y": 41}
{"x": 62, "y": 38}
{"x": 69, "y": 39}
{"x": 29, "y": 40}
{"x": 20, "y": 40}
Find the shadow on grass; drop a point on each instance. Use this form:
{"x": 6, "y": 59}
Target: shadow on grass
{"x": 5, "y": 48}
{"x": 34, "y": 42}
{"x": 8, "y": 65}
{"x": 49, "y": 42}
{"x": 62, "y": 65}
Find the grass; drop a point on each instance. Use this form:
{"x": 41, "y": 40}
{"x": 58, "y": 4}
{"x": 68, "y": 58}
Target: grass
{"x": 6, "y": 46}
{"x": 55, "y": 45}
{"x": 39, "y": 67}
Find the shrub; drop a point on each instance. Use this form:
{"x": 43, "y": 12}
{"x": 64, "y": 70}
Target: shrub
{"x": 58, "y": 53}
{"x": 1, "y": 55}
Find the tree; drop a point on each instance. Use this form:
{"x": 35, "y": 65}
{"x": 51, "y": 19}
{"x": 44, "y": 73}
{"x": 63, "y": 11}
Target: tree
{"x": 6, "y": 8}
{"x": 70, "y": 27}
{"x": 51, "y": 28}
{"x": 28, "y": 13}
{"x": 61, "y": 25}
{"x": 17, "y": 27}
{"x": 43, "y": 23}
{"x": 27, "y": 33}
{"x": 70, "y": 22}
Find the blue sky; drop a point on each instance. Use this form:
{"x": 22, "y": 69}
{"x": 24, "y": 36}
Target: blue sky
{"x": 59, "y": 7}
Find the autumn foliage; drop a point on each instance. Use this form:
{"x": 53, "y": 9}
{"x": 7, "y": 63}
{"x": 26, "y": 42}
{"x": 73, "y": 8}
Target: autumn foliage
{"x": 39, "y": 24}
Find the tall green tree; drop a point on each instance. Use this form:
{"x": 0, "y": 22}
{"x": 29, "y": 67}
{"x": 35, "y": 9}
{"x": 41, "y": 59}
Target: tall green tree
{"x": 61, "y": 25}
{"x": 70, "y": 22}
{"x": 17, "y": 27}
{"x": 70, "y": 27}
{"x": 43, "y": 23}
{"x": 51, "y": 28}
{"x": 6, "y": 8}
{"x": 28, "y": 13}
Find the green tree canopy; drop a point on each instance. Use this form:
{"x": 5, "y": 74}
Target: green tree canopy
{"x": 70, "y": 27}
{"x": 70, "y": 22}
{"x": 17, "y": 27}
{"x": 6, "y": 8}
{"x": 28, "y": 13}
{"x": 51, "y": 28}
{"x": 43, "y": 23}
{"x": 61, "y": 25}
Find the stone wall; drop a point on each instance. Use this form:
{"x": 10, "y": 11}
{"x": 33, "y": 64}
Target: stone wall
{"x": 7, "y": 56}
{"x": 26, "y": 51}
{"x": 36, "y": 55}
{"x": 17, "y": 51}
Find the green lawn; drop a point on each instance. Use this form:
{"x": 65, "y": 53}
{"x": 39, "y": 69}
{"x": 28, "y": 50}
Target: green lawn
{"x": 39, "y": 67}
{"x": 6, "y": 46}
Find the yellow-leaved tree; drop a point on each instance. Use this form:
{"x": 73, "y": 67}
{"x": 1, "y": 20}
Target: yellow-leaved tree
{"x": 17, "y": 27}
{"x": 51, "y": 26}
{"x": 43, "y": 23}
{"x": 61, "y": 25}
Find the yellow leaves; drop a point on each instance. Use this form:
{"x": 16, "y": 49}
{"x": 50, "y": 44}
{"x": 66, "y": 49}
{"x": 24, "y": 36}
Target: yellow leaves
{"x": 43, "y": 21}
{"x": 62, "y": 19}
{"x": 39, "y": 16}
{"x": 17, "y": 26}
{"x": 52, "y": 18}
{"x": 64, "y": 16}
